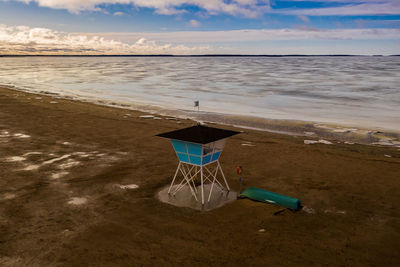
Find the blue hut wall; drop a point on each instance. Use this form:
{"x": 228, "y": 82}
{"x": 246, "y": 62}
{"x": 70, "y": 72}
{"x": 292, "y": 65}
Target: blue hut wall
{"x": 179, "y": 146}
{"x": 187, "y": 152}
{"x": 194, "y": 149}
{"x": 207, "y": 159}
{"x": 197, "y": 154}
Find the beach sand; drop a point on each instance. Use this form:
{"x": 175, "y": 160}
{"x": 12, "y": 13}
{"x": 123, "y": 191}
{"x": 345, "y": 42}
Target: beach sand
{"x": 78, "y": 186}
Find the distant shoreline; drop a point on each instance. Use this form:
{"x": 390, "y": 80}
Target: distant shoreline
{"x": 206, "y": 55}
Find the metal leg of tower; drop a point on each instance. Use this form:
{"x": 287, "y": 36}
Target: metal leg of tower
{"x": 223, "y": 176}
{"x": 173, "y": 180}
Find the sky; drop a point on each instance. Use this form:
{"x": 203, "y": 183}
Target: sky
{"x": 182, "y": 27}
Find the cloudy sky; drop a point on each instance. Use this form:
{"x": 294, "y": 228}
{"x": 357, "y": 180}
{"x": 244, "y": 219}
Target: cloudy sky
{"x": 364, "y": 27}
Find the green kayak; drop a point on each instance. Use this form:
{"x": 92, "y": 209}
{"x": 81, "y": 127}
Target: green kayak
{"x": 271, "y": 197}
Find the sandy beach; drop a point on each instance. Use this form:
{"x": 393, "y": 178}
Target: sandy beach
{"x": 78, "y": 183}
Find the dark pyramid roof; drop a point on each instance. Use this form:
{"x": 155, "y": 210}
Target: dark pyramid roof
{"x": 198, "y": 134}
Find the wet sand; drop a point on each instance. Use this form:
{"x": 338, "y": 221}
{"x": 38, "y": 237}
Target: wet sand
{"x": 67, "y": 194}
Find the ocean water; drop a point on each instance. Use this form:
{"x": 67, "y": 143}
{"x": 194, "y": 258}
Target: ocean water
{"x": 349, "y": 91}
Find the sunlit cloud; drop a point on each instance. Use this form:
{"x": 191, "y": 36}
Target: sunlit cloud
{"x": 246, "y": 8}
{"x": 25, "y": 40}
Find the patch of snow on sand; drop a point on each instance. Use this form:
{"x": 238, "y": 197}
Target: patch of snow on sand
{"x": 387, "y": 142}
{"x": 388, "y": 156}
{"x": 69, "y": 164}
{"x": 20, "y": 135}
{"x": 4, "y": 134}
{"x": 323, "y": 126}
{"x": 308, "y": 210}
{"x": 146, "y": 116}
{"x": 309, "y": 133}
{"x": 81, "y": 154}
{"x": 310, "y": 142}
{"x": 53, "y": 102}
{"x": 335, "y": 211}
{"x": 15, "y": 159}
{"x": 56, "y": 159}
{"x": 66, "y": 143}
{"x": 248, "y": 144}
{"x": 321, "y": 141}
{"x": 325, "y": 142}
{"x": 59, "y": 175}
{"x": 128, "y": 186}
{"x": 77, "y": 201}
{"x": 31, "y": 167}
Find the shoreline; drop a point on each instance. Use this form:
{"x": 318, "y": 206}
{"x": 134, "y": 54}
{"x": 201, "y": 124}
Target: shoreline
{"x": 338, "y": 132}
{"x": 76, "y": 174}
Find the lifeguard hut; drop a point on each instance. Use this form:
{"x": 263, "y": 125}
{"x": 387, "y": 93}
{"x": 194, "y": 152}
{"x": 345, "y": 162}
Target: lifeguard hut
{"x": 198, "y": 149}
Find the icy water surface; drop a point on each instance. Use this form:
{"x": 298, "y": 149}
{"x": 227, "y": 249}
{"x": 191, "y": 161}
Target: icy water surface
{"x": 351, "y": 91}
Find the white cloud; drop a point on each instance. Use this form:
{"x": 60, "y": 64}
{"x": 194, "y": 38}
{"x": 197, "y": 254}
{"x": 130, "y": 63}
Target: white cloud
{"x": 26, "y": 40}
{"x": 209, "y": 37}
{"x": 194, "y": 23}
{"x": 119, "y": 13}
{"x": 350, "y": 8}
{"x": 247, "y": 8}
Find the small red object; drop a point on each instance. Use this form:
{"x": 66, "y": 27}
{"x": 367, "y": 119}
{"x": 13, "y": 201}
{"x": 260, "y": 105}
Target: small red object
{"x": 239, "y": 170}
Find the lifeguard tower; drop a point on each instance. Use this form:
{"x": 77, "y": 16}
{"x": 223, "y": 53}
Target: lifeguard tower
{"x": 198, "y": 149}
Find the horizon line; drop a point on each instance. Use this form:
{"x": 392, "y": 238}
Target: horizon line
{"x": 204, "y": 55}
